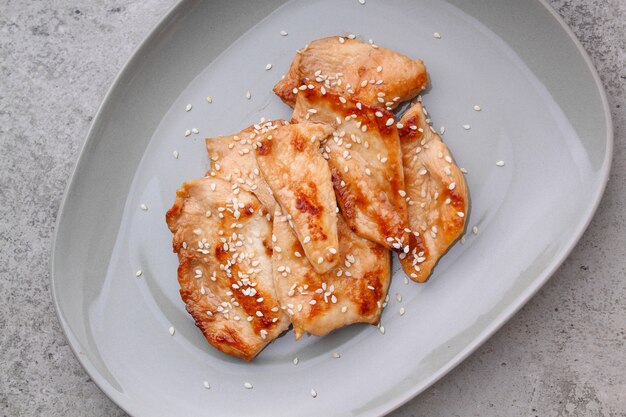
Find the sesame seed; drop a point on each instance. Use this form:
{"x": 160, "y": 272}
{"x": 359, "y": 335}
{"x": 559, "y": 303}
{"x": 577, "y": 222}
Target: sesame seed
{"x": 378, "y": 114}
{"x": 247, "y": 385}
{"x": 248, "y": 95}
{"x": 362, "y": 2}
{"x": 195, "y": 131}
{"x": 307, "y": 239}
{"x": 442, "y": 130}
{"x": 379, "y": 68}
{"x": 138, "y": 273}
{"x": 175, "y": 154}
{"x": 143, "y": 207}
{"x": 402, "y": 193}
{"x": 336, "y": 355}
{"x": 344, "y": 309}
{"x": 332, "y": 250}
{"x": 187, "y": 132}
{"x": 206, "y": 385}
{"x": 475, "y": 230}
{"x": 268, "y": 67}
{"x": 189, "y": 107}
{"x": 368, "y": 171}
{"x": 295, "y": 360}
{"x": 390, "y": 121}
{"x": 172, "y": 330}
{"x": 313, "y": 393}
{"x": 382, "y": 329}
{"x": 402, "y": 311}
{"x": 467, "y": 127}
{"x": 341, "y": 40}
{"x": 399, "y": 125}
{"x": 320, "y": 260}
{"x": 283, "y": 33}
{"x": 477, "y": 108}
{"x": 451, "y": 186}
{"x": 398, "y": 297}
{"x": 463, "y": 170}
{"x": 460, "y": 214}
{"x": 500, "y": 163}
{"x": 209, "y": 99}
{"x": 437, "y": 35}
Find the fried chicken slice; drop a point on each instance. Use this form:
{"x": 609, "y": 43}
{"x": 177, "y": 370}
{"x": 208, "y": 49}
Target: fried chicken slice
{"x": 370, "y": 74}
{"x": 352, "y": 292}
{"x": 223, "y": 242}
{"x": 232, "y": 158}
{"x": 365, "y": 161}
{"x": 291, "y": 163}
{"x": 436, "y": 193}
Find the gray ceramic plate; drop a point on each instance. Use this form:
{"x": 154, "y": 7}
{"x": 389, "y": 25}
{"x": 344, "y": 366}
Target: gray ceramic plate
{"x": 543, "y": 112}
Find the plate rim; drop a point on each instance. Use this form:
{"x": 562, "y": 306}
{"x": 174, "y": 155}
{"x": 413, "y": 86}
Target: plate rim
{"x": 395, "y": 401}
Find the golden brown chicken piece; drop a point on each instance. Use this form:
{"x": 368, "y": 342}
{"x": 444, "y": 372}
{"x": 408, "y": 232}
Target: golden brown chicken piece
{"x": 365, "y": 161}
{"x": 353, "y": 292}
{"x": 223, "y": 241}
{"x": 436, "y": 194}
{"x": 291, "y": 163}
{"x": 232, "y": 158}
{"x": 370, "y": 74}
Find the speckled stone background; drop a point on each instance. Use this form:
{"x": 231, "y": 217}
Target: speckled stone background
{"x": 563, "y": 354}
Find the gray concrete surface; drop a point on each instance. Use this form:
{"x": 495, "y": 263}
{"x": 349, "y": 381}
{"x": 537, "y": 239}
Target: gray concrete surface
{"x": 563, "y": 355}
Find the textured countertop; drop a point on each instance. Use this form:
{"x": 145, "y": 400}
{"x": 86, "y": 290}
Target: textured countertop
{"x": 563, "y": 354}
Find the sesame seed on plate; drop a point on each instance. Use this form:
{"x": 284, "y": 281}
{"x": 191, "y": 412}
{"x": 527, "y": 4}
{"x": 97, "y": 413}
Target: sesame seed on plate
{"x": 313, "y": 393}
{"x": 463, "y": 170}
{"x": 187, "y": 132}
{"x": 283, "y": 33}
{"x": 475, "y": 230}
{"x": 247, "y": 385}
{"x": 500, "y": 163}
{"x": 175, "y": 154}
{"x": 189, "y": 107}
{"x": 172, "y": 330}
{"x": 477, "y": 108}
{"x": 381, "y": 329}
{"x": 437, "y": 35}
{"x": 442, "y": 130}
{"x": 402, "y": 311}
{"x": 268, "y": 67}
{"x": 467, "y": 127}
{"x": 295, "y": 360}
{"x": 362, "y": 2}
{"x": 206, "y": 385}
{"x": 336, "y": 355}
{"x": 209, "y": 99}
{"x": 248, "y": 95}
{"x": 195, "y": 131}
{"x": 138, "y": 273}
{"x": 143, "y": 206}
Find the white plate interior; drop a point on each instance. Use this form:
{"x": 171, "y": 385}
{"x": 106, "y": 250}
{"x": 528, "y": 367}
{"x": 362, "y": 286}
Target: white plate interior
{"x": 525, "y": 212}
